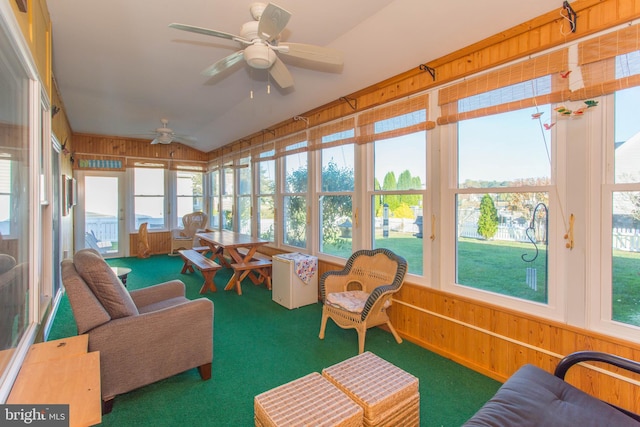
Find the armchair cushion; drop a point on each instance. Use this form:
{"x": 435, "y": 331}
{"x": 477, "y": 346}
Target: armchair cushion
{"x": 7, "y": 262}
{"x": 105, "y": 284}
{"x": 353, "y": 301}
{"x": 87, "y": 310}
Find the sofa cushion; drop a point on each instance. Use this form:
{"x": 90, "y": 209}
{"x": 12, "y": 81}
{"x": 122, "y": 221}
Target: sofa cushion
{"x": 105, "y": 284}
{"x": 533, "y": 397}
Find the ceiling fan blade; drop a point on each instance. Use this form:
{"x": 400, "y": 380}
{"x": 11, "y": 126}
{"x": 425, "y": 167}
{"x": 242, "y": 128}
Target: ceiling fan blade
{"x": 155, "y": 141}
{"x": 208, "y": 32}
{"x": 273, "y": 20}
{"x": 281, "y": 74}
{"x": 310, "y": 52}
{"x": 224, "y": 63}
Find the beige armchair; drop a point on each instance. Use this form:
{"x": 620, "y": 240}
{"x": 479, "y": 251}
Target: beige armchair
{"x": 182, "y": 238}
{"x": 144, "y": 335}
{"x": 358, "y": 296}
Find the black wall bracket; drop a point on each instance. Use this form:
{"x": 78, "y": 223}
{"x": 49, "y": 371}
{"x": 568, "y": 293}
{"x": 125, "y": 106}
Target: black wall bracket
{"x": 353, "y": 103}
{"x": 571, "y": 15}
{"x": 432, "y": 71}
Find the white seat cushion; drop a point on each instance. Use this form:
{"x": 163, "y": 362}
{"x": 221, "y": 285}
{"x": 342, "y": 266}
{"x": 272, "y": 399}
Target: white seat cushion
{"x": 352, "y": 301}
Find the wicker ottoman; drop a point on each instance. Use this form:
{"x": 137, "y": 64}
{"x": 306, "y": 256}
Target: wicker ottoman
{"x": 307, "y": 401}
{"x": 388, "y": 395}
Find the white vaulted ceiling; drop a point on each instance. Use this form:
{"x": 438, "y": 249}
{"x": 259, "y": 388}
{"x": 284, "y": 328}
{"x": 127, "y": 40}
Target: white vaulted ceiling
{"x": 121, "y": 69}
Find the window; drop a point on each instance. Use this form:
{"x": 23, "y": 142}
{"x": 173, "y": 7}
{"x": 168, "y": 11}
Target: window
{"x": 624, "y": 196}
{"x": 502, "y": 204}
{"x": 266, "y": 193}
{"x": 228, "y": 186}
{"x": 397, "y": 199}
{"x": 19, "y": 179}
{"x": 149, "y": 197}
{"x": 5, "y": 197}
{"x": 336, "y": 199}
{"x": 188, "y": 194}
{"x": 295, "y": 197}
{"x": 214, "y": 199}
{"x": 244, "y": 195}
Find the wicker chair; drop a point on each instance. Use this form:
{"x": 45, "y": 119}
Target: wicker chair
{"x": 182, "y": 238}
{"x": 358, "y": 296}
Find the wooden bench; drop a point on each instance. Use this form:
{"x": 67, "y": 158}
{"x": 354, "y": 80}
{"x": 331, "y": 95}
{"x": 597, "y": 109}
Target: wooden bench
{"x": 192, "y": 258}
{"x": 204, "y": 250}
{"x": 256, "y": 256}
{"x": 262, "y": 267}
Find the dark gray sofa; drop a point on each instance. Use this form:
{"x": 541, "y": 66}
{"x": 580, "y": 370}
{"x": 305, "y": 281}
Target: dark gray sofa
{"x": 533, "y": 397}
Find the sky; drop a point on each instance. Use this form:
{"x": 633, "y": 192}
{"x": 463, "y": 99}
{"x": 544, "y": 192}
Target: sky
{"x": 506, "y": 146}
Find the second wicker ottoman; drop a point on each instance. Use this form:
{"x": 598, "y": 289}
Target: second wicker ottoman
{"x": 308, "y": 401}
{"x": 388, "y": 395}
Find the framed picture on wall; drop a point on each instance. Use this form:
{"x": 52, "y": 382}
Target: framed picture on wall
{"x": 72, "y": 192}
{"x": 63, "y": 195}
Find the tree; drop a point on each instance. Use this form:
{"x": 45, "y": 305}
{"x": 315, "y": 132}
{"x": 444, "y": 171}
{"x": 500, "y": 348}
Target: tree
{"x": 390, "y": 184}
{"x": 407, "y": 182}
{"x": 334, "y": 207}
{"x": 296, "y": 208}
{"x": 488, "y": 221}
{"x": 377, "y": 203}
{"x": 335, "y": 179}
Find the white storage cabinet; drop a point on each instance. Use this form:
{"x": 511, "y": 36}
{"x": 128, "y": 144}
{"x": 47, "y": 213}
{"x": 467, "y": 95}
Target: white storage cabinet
{"x": 287, "y": 288}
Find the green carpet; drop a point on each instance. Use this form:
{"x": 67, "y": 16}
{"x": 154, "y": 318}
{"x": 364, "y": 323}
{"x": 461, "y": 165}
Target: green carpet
{"x": 259, "y": 345}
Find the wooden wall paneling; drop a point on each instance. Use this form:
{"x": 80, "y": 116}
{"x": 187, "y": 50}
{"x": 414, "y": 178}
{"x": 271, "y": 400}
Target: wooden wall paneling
{"x": 496, "y": 341}
{"x": 628, "y": 8}
{"x": 134, "y": 147}
{"x": 159, "y": 243}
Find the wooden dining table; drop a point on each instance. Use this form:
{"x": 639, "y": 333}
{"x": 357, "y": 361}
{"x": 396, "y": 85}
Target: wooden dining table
{"x": 241, "y": 248}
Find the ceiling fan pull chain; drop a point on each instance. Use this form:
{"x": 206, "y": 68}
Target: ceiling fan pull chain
{"x": 268, "y": 83}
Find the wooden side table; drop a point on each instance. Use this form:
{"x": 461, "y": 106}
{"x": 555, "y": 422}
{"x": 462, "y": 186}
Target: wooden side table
{"x": 62, "y": 372}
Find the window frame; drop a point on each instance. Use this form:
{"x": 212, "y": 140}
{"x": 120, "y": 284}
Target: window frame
{"x": 320, "y": 193}
{"x": 297, "y": 149}
{"x": 213, "y": 193}
{"x": 167, "y": 202}
{"x": 555, "y": 307}
{"x": 10, "y": 28}
{"x": 177, "y": 217}
{"x": 602, "y": 186}
{"x": 257, "y": 166}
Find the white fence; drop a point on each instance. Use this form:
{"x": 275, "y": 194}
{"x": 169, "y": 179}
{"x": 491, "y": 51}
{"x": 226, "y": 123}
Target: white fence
{"x": 624, "y": 239}
{"x": 505, "y": 232}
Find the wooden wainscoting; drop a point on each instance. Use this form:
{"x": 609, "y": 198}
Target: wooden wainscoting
{"x": 159, "y": 243}
{"x": 496, "y": 341}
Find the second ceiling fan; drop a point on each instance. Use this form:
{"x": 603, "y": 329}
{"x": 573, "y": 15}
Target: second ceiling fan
{"x": 260, "y": 39}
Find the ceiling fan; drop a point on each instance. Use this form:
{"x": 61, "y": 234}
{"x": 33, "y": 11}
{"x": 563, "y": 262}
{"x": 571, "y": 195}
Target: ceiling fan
{"x": 260, "y": 39}
{"x": 165, "y": 135}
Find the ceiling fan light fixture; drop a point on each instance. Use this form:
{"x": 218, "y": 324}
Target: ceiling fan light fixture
{"x": 259, "y": 56}
{"x": 165, "y": 138}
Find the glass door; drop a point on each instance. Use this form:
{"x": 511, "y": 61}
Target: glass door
{"x": 100, "y": 219}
